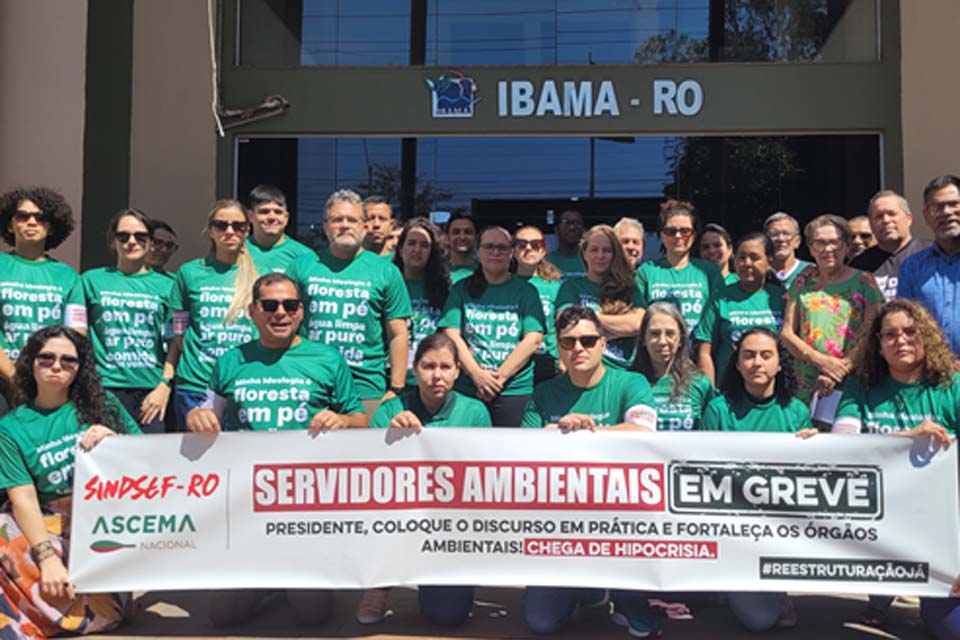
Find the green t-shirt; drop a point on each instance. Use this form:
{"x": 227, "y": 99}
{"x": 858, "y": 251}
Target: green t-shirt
{"x": 731, "y": 311}
{"x": 37, "y": 447}
{"x": 830, "y": 317}
{"x": 620, "y": 396}
{"x": 459, "y": 273}
{"x": 893, "y": 406}
{"x": 200, "y": 297}
{"x": 548, "y": 290}
{"x": 258, "y": 389}
{"x": 348, "y": 304}
{"x": 279, "y": 257}
{"x": 457, "y": 411}
{"x": 731, "y": 278}
{"x": 423, "y": 322}
{"x": 746, "y": 415}
{"x": 688, "y": 288}
{"x": 620, "y": 352}
{"x": 682, "y": 413}
{"x": 493, "y": 325}
{"x": 786, "y": 278}
{"x": 35, "y": 294}
{"x": 128, "y": 316}
{"x": 571, "y": 266}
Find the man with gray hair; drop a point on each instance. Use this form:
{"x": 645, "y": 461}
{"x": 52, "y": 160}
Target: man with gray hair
{"x": 356, "y": 301}
{"x": 784, "y": 232}
{"x": 630, "y": 233}
{"x": 890, "y": 220}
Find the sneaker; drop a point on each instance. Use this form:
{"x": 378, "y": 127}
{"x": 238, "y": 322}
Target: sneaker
{"x": 372, "y": 608}
{"x": 640, "y": 619}
{"x": 788, "y": 614}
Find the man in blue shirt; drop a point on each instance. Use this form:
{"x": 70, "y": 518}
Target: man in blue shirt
{"x": 932, "y": 276}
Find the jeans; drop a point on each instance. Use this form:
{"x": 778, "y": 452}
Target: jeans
{"x": 941, "y": 617}
{"x": 184, "y": 402}
{"x": 757, "y": 611}
{"x": 547, "y": 609}
{"x": 446, "y": 606}
{"x": 507, "y": 411}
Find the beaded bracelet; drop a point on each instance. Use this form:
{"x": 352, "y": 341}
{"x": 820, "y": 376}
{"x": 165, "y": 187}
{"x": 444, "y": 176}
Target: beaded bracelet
{"x": 42, "y": 550}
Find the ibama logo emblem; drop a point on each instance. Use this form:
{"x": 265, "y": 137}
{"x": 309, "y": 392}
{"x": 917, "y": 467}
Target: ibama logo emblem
{"x": 452, "y": 95}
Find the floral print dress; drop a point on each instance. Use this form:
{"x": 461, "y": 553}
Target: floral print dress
{"x": 830, "y": 317}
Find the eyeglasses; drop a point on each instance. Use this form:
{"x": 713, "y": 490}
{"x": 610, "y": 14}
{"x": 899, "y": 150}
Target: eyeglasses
{"x": 165, "y": 245}
{"x": 495, "y": 248}
{"x": 892, "y": 335}
{"x": 680, "y": 232}
{"x": 124, "y": 236}
{"x": 45, "y": 360}
{"x": 569, "y": 342}
{"x": 23, "y": 216}
{"x": 536, "y": 245}
{"x": 823, "y": 245}
{"x": 289, "y": 305}
{"x": 570, "y": 222}
{"x": 239, "y": 226}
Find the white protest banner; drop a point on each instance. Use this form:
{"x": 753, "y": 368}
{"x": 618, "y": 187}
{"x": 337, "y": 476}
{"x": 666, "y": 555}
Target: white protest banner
{"x": 652, "y": 511}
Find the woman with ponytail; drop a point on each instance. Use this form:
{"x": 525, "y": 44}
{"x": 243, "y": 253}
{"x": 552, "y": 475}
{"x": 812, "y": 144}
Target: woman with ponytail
{"x": 497, "y": 323}
{"x": 209, "y": 299}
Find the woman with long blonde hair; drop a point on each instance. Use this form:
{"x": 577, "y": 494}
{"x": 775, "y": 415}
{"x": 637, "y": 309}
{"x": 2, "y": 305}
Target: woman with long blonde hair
{"x": 209, "y": 299}
{"x": 608, "y": 289}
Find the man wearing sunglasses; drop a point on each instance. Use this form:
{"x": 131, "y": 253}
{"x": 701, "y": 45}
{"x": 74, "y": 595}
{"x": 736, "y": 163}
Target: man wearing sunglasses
{"x": 163, "y": 247}
{"x": 357, "y": 301}
{"x": 278, "y": 382}
{"x": 269, "y": 245}
{"x": 589, "y": 396}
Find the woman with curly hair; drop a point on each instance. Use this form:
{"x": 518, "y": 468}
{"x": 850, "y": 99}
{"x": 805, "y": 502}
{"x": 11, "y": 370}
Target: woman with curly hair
{"x": 530, "y": 263}
{"x": 677, "y": 278}
{"x": 905, "y": 385}
{"x": 37, "y": 291}
{"x": 209, "y": 300}
{"x": 421, "y": 257}
{"x": 608, "y": 289}
{"x": 757, "y": 395}
{"x": 127, "y": 308}
{"x": 680, "y": 391}
{"x": 826, "y": 306}
{"x": 497, "y": 323}
{"x": 60, "y": 404}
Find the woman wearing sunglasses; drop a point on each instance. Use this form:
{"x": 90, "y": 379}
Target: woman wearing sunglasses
{"x": 37, "y": 290}
{"x": 608, "y": 289}
{"x": 209, "y": 301}
{"x": 680, "y": 391}
{"x": 60, "y": 404}
{"x": 421, "y": 258}
{"x": 905, "y": 385}
{"x": 677, "y": 278}
{"x": 497, "y": 323}
{"x": 531, "y": 264}
{"x": 127, "y": 311}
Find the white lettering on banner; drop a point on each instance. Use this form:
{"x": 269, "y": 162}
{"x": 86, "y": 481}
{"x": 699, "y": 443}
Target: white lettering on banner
{"x": 521, "y": 99}
{"x": 742, "y": 512}
{"x": 685, "y": 98}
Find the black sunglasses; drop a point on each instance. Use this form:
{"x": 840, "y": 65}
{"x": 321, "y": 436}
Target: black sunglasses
{"x": 289, "y": 305}
{"x": 124, "y": 236}
{"x": 568, "y": 342}
{"x": 240, "y": 226}
{"x": 45, "y": 360}
{"x": 39, "y": 216}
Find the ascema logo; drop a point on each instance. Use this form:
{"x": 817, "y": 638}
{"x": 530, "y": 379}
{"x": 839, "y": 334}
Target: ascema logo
{"x": 175, "y": 527}
{"x": 452, "y": 95}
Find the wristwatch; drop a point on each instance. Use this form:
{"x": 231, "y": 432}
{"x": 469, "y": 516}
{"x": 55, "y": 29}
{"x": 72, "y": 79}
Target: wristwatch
{"x": 396, "y": 390}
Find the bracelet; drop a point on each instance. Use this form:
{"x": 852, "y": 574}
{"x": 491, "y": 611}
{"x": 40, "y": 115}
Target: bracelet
{"x": 42, "y": 550}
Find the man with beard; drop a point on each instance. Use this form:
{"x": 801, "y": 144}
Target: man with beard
{"x": 269, "y": 246}
{"x": 378, "y": 220}
{"x": 356, "y": 301}
{"x": 932, "y": 276}
{"x": 890, "y": 220}
{"x": 462, "y": 240}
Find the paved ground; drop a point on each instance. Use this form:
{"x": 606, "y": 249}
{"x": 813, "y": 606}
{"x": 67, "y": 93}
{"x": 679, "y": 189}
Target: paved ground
{"x": 497, "y": 615}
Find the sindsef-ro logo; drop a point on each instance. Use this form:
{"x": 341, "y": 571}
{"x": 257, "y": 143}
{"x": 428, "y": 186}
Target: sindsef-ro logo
{"x": 776, "y": 489}
{"x": 452, "y": 95}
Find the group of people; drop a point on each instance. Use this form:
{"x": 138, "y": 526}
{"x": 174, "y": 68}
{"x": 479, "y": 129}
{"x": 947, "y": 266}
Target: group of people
{"x": 462, "y": 327}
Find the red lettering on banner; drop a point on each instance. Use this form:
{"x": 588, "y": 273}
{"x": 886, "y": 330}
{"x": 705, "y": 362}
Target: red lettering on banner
{"x": 658, "y": 549}
{"x": 148, "y": 487}
{"x": 459, "y": 485}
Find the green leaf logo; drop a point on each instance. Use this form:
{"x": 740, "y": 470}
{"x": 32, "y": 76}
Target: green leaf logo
{"x": 108, "y": 546}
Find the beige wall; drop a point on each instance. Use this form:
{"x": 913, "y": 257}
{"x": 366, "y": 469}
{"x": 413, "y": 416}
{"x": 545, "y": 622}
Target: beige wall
{"x": 42, "y": 72}
{"x": 931, "y": 93}
{"x": 172, "y": 140}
